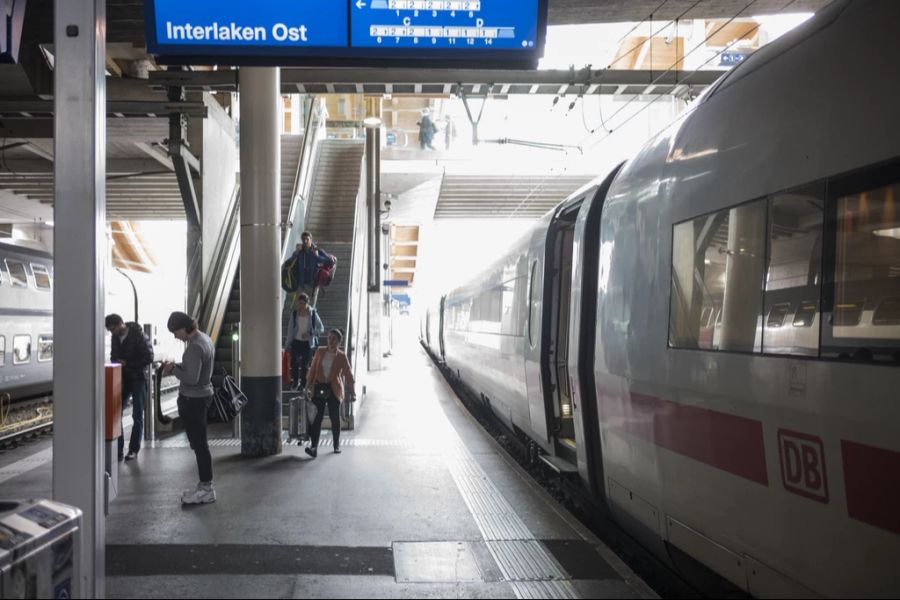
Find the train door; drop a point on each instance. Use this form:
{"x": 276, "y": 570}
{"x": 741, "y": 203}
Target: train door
{"x": 561, "y": 244}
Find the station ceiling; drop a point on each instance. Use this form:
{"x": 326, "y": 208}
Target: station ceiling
{"x": 138, "y": 166}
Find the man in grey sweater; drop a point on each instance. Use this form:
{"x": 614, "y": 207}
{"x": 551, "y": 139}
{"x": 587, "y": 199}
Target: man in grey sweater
{"x": 195, "y": 394}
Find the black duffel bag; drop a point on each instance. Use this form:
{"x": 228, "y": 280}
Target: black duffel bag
{"x": 228, "y": 400}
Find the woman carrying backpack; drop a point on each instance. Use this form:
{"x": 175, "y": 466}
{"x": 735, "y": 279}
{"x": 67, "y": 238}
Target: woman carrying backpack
{"x": 303, "y": 331}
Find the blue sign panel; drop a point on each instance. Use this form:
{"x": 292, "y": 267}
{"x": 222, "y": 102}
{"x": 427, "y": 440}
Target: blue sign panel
{"x": 451, "y": 24}
{"x": 428, "y": 33}
{"x": 270, "y": 26}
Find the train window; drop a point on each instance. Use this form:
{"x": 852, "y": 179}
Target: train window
{"x": 794, "y": 269}
{"x": 533, "y": 302}
{"x": 2, "y": 350}
{"x": 806, "y": 314}
{"x": 887, "y": 313}
{"x": 18, "y": 276}
{"x": 777, "y": 315}
{"x": 718, "y": 260}
{"x": 866, "y": 270}
{"x": 41, "y": 277}
{"x": 45, "y": 348}
{"x": 847, "y": 314}
{"x": 21, "y": 349}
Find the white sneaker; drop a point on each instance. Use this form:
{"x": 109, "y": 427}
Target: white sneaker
{"x": 201, "y": 495}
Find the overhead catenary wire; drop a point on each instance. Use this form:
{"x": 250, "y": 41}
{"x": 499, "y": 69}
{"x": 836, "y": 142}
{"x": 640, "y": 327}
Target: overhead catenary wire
{"x": 541, "y": 184}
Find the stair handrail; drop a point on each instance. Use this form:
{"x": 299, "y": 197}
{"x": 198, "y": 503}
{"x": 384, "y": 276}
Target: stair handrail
{"x": 313, "y": 131}
{"x": 220, "y": 279}
{"x": 356, "y": 289}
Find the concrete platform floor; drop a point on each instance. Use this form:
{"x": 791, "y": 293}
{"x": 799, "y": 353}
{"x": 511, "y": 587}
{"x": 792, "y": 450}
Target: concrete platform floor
{"x": 421, "y": 504}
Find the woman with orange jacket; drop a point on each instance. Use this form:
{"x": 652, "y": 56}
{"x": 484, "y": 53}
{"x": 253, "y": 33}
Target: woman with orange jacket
{"x": 329, "y": 373}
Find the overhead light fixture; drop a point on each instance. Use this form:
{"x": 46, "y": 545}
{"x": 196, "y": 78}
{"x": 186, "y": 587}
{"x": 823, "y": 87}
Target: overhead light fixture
{"x": 891, "y": 233}
{"x": 372, "y": 122}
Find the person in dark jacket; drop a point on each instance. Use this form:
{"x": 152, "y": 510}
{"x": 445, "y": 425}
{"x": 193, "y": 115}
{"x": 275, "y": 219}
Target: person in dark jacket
{"x": 427, "y": 129}
{"x": 131, "y": 348}
{"x": 303, "y": 331}
{"x": 309, "y": 259}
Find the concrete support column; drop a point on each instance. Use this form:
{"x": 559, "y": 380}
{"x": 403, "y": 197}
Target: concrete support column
{"x": 742, "y": 304}
{"x": 79, "y": 261}
{"x": 260, "y": 99}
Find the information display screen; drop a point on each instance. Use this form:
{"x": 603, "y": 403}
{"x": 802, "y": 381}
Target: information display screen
{"x": 426, "y": 33}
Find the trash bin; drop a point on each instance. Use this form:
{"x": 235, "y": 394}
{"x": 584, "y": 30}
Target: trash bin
{"x": 39, "y": 546}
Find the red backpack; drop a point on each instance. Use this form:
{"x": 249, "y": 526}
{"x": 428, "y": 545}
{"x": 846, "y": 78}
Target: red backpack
{"x": 325, "y": 272}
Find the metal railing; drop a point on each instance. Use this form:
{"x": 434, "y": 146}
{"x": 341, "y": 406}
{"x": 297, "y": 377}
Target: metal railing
{"x": 220, "y": 278}
{"x": 313, "y": 133}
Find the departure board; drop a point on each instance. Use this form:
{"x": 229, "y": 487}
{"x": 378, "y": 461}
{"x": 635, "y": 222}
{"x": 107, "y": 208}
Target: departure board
{"x": 423, "y": 33}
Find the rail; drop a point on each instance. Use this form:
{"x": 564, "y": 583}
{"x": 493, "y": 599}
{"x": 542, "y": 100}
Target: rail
{"x": 313, "y": 132}
{"x": 226, "y": 259}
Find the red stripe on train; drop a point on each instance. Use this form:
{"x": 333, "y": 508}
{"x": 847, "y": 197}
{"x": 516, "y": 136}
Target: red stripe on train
{"x": 872, "y": 481}
{"x": 727, "y": 442}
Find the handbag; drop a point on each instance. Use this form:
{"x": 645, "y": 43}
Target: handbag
{"x": 227, "y": 402}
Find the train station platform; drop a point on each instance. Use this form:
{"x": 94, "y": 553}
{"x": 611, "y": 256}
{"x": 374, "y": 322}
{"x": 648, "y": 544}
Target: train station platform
{"x": 421, "y": 503}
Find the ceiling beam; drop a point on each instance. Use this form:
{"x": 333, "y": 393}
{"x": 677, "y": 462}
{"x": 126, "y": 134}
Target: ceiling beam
{"x": 537, "y": 81}
{"x": 156, "y": 154}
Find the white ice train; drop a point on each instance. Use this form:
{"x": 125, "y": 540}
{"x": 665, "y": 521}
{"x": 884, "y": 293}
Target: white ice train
{"x": 710, "y": 334}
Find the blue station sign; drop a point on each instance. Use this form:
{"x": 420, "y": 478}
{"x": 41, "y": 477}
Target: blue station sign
{"x": 426, "y": 33}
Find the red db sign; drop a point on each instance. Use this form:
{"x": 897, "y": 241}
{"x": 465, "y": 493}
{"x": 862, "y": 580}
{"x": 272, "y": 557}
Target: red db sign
{"x": 803, "y": 465}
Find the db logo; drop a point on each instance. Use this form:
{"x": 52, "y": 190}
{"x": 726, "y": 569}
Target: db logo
{"x": 803, "y": 465}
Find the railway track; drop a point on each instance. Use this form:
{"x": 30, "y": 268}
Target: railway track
{"x": 24, "y": 419}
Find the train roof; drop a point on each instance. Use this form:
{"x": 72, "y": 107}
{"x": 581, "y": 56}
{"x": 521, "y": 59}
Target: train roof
{"x": 24, "y": 247}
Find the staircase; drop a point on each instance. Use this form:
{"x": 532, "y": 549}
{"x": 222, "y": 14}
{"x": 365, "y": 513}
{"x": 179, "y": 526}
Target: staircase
{"x": 331, "y": 220}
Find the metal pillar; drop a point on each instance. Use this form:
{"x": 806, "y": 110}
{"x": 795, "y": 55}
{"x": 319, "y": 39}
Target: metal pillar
{"x": 373, "y": 204}
{"x": 260, "y": 261}
{"x": 80, "y": 256}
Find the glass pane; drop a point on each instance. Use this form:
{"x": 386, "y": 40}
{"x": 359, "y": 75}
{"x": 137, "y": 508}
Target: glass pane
{"x": 17, "y": 274}
{"x": 717, "y": 270}
{"x": 794, "y": 273}
{"x": 2, "y": 350}
{"x": 41, "y": 276}
{"x": 864, "y": 323}
{"x": 806, "y": 314}
{"x": 532, "y": 303}
{"x": 887, "y": 313}
{"x": 777, "y": 315}
{"x": 45, "y": 348}
{"x": 21, "y": 349}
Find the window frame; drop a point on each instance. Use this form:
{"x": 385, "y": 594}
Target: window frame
{"x": 27, "y": 361}
{"x": 866, "y": 178}
{"x": 42, "y": 337}
{"x": 2, "y": 351}
{"x": 46, "y": 271}
{"x": 12, "y": 281}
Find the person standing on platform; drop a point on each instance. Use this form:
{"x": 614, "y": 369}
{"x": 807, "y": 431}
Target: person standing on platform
{"x": 303, "y": 331}
{"x": 449, "y": 131}
{"x": 309, "y": 259}
{"x": 427, "y": 129}
{"x": 329, "y": 374}
{"x": 195, "y": 394}
{"x": 131, "y": 348}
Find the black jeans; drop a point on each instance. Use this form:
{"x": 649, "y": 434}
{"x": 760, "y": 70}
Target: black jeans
{"x": 137, "y": 390}
{"x": 334, "y": 413}
{"x": 193, "y": 413}
{"x": 301, "y": 353}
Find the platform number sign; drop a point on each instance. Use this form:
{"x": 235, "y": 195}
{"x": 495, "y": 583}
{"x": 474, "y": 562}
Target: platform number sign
{"x": 803, "y": 465}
